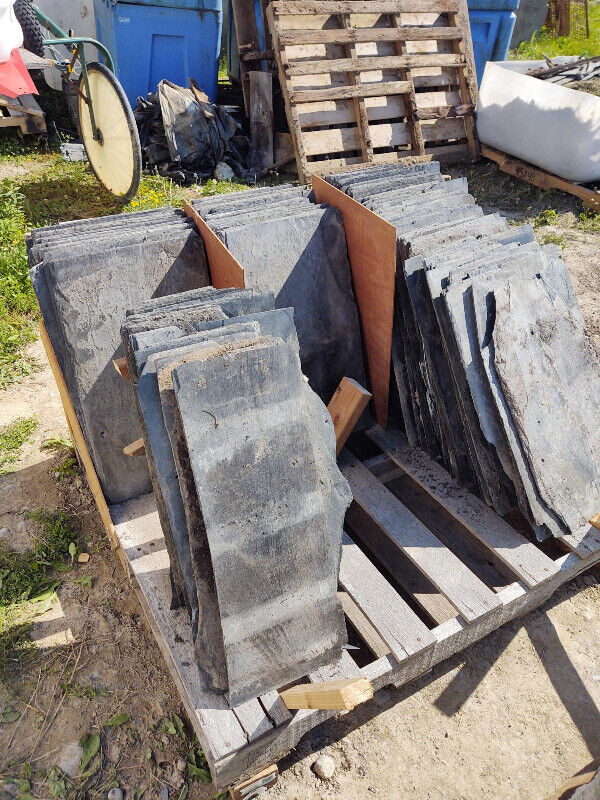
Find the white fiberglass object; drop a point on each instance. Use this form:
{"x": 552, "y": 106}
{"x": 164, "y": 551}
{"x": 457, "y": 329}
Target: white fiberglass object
{"x": 11, "y": 35}
{"x": 550, "y": 126}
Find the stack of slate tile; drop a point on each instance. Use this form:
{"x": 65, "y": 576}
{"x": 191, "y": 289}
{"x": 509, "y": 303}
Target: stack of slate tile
{"x": 296, "y": 249}
{"x": 86, "y": 274}
{"x": 493, "y": 373}
{"x": 242, "y": 458}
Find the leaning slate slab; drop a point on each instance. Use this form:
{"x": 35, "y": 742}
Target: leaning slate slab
{"x": 272, "y": 505}
{"x": 549, "y": 372}
{"x": 83, "y": 306}
{"x": 303, "y": 260}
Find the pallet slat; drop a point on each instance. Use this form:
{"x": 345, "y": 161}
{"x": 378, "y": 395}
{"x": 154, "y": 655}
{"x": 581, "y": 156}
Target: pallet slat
{"x": 448, "y": 574}
{"x": 405, "y": 34}
{"x": 367, "y": 63}
{"x": 362, "y": 6}
{"x": 521, "y": 556}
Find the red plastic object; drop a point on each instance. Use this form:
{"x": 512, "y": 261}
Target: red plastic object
{"x": 14, "y": 78}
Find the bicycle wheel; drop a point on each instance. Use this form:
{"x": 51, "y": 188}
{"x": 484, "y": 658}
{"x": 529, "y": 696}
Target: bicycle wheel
{"x": 116, "y": 157}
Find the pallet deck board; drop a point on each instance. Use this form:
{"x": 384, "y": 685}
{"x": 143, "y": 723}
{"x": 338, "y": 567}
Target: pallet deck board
{"x": 353, "y": 73}
{"x": 449, "y": 575}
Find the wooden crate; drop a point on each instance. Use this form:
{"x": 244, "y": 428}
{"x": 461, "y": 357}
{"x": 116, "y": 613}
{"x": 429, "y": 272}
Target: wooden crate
{"x": 375, "y": 81}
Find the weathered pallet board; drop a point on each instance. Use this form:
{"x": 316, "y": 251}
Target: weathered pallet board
{"x": 375, "y": 81}
{"x": 22, "y": 112}
{"x": 505, "y": 575}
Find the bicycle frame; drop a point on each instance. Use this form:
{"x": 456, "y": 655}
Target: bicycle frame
{"x": 76, "y": 45}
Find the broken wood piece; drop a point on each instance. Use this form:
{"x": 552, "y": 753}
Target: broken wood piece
{"x": 134, "y": 448}
{"x": 260, "y": 85}
{"x": 595, "y": 521}
{"x": 347, "y": 404}
{"x": 256, "y": 785}
{"x": 120, "y": 364}
{"x": 540, "y": 178}
{"x": 342, "y": 695}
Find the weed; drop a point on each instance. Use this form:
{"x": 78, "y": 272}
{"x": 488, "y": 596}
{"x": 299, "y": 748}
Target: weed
{"x": 545, "y": 43}
{"x": 26, "y": 585}
{"x": 548, "y": 216}
{"x": 17, "y": 300}
{"x": 589, "y": 222}
{"x": 57, "y": 444}
{"x": 12, "y": 439}
{"x": 76, "y": 690}
{"x": 554, "y": 238}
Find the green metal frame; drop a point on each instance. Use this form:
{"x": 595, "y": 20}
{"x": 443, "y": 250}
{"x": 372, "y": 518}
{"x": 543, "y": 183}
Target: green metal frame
{"x": 76, "y": 45}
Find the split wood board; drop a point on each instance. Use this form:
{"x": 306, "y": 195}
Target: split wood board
{"x": 22, "y": 112}
{"x": 540, "y": 178}
{"x": 375, "y": 81}
{"x": 372, "y": 254}
{"x": 225, "y": 271}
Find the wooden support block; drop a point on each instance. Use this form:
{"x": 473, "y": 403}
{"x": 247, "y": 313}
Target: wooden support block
{"x": 255, "y": 786}
{"x": 134, "y": 448}
{"x": 595, "y": 521}
{"x": 260, "y": 88}
{"x": 341, "y": 695}
{"x": 347, "y": 404}
{"x": 120, "y": 364}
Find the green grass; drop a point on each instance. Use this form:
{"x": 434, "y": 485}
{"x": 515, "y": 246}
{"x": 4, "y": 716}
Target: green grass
{"x": 546, "y": 44}
{"x": 27, "y": 580}
{"x": 12, "y": 439}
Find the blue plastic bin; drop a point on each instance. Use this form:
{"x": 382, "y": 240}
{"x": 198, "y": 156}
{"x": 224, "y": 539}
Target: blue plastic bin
{"x": 492, "y": 24}
{"x": 155, "y": 39}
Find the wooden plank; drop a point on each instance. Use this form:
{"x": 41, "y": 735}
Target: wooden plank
{"x": 140, "y": 535}
{"x": 367, "y": 63}
{"x": 25, "y": 104}
{"x": 260, "y": 86}
{"x": 33, "y": 61}
{"x": 343, "y": 695}
{"x": 120, "y": 364}
{"x": 345, "y": 407}
{"x": 362, "y": 6}
{"x": 372, "y": 253}
{"x": 448, "y": 574}
{"x": 466, "y": 78}
{"x": 79, "y": 439}
{"x": 260, "y": 782}
{"x": 134, "y": 448}
{"x": 225, "y": 271}
{"x": 248, "y": 40}
{"x": 349, "y": 92}
{"x": 392, "y": 618}
{"x": 362, "y": 626}
{"x": 523, "y": 558}
{"x": 540, "y": 178}
{"x": 339, "y": 140}
{"x": 394, "y": 562}
{"x": 290, "y": 108}
{"x": 370, "y": 35}
{"x": 360, "y": 109}
{"x": 410, "y": 102}
{"x": 595, "y": 521}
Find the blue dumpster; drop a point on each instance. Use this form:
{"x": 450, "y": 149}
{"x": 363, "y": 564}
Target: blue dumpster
{"x": 155, "y": 39}
{"x": 492, "y": 24}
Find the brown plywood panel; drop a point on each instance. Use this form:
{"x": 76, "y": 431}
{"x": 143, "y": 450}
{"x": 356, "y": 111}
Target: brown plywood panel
{"x": 225, "y": 271}
{"x": 372, "y": 253}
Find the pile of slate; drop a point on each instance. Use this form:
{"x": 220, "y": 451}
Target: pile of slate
{"x": 296, "y": 249}
{"x": 493, "y": 372}
{"x": 86, "y": 274}
{"x": 242, "y": 458}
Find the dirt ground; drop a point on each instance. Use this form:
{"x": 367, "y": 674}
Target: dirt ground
{"x": 512, "y": 717}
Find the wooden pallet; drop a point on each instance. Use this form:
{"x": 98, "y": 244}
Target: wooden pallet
{"x": 375, "y": 81}
{"x": 22, "y": 112}
{"x": 427, "y": 569}
{"x": 454, "y": 571}
{"x": 541, "y": 178}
